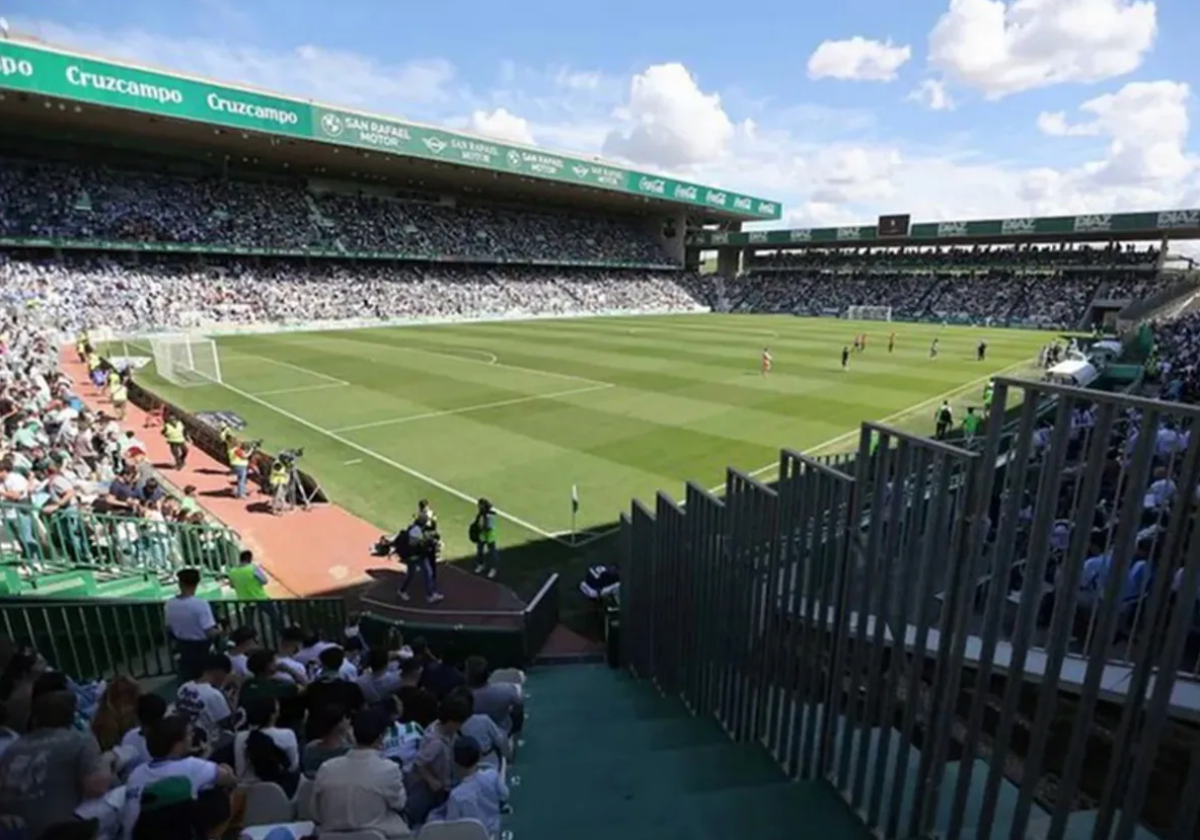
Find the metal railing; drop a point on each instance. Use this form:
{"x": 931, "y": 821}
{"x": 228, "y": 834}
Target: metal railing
{"x": 96, "y": 639}
{"x": 75, "y": 537}
{"x": 1008, "y": 611}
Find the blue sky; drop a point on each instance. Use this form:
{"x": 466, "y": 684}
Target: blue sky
{"x": 941, "y": 108}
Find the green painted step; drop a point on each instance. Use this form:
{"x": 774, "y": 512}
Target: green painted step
{"x": 618, "y": 778}
{"x": 779, "y": 811}
{"x": 75, "y": 584}
{"x": 623, "y": 736}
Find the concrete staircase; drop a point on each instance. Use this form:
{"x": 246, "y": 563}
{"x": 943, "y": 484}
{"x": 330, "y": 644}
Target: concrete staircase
{"x": 606, "y": 756}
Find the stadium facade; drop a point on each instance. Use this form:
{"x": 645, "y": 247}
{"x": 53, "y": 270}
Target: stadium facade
{"x": 45, "y": 91}
{"x": 736, "y": 250}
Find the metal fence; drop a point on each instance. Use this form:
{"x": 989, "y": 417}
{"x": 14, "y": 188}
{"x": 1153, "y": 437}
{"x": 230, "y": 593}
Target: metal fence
{"x": 77, "y": 537}
{"x": 970, "y": 643}
{"x": 95, "y": 639}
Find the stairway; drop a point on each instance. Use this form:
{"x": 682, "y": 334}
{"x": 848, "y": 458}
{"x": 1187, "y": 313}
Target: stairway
{"x": 605, "y": 756}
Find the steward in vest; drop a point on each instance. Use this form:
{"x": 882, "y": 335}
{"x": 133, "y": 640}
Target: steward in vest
{"x": 239, "y": 462}
{"x": 118, "y": 394}
{"x": 483, "y": 533}
{"x": 175, "y": 434}
{"x": 279, "y": 479}
{"x": 249, "y": 582}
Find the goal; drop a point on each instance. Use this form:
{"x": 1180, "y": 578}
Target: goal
{"x": 869, "y": 313}
{"x": 186, "y": 360}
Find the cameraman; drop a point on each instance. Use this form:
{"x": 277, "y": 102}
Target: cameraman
{"x": 239, "y": 463}
{"x": 279, "y": 480}
{"x": 417, "y": 548}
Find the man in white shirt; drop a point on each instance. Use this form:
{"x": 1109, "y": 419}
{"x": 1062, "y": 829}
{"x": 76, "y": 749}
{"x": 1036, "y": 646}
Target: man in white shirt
{"x": 362, "y": 790}
{"x": 191, "y": 623}
{"x": 203, "y": 702}
{"x": 171, "y": 775}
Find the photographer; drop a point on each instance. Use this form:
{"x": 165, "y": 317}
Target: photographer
{"x": 417, "y": 548}
{"x": 239, "y": 461}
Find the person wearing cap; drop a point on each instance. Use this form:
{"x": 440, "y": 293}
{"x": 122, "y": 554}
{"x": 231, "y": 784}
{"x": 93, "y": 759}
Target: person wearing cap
{"x": 362, "y": 790}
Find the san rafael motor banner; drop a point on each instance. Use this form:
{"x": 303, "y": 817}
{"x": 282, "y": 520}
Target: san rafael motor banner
{"x": 64, "y": 75}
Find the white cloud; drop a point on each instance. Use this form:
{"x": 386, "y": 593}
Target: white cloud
{"x": 1147, "y": 126}
{"x": 931, "y": 93}
{"x": 501, "y": 125}
{"x": 669, "y": 121}
{"x": 857, "y": 59}
{"x": 1001, "y": 47}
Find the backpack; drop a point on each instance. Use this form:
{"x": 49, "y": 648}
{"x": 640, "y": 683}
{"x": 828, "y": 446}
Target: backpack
{"x": 474, "y": 532}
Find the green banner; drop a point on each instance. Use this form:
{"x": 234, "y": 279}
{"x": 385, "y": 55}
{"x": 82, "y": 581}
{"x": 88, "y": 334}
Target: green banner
{"x": 67, "y": 76}
{"x": 1164, "y": 221}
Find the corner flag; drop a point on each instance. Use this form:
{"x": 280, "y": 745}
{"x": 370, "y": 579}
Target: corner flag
{"x": 574, "y": 510}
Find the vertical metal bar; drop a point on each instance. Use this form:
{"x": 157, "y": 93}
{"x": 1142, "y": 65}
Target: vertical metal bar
{"x": 1030, "y": 601}
{"x": 895, "y": 619}
{"x": 872, "y": 628}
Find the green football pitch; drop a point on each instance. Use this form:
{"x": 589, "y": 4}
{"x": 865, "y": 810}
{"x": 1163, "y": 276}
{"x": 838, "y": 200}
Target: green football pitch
{"x": 521, "y": 412}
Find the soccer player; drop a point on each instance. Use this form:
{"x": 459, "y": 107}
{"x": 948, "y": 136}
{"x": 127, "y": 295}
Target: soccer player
{"x": 891, "y": 342}
{"x": 933, "y": 349}
{"x": 981, "y": 351}
{"x": 766, "y": 361}
{"x": 862, "y": 344}
{"x": 845, "y": 358}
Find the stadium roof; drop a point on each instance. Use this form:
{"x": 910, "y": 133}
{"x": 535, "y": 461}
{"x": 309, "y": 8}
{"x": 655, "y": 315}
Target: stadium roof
{"x": 313, "y": 132}
{"x": 1094, "y": 227}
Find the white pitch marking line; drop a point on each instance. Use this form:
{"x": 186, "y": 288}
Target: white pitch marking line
{"x": 499, "y": 364}
{"x": 315, "y": 373}
{"x": 352, "y": 462}
{"x": 383, "y": 459}
{"x": 322, "y": 387}
{"x": 396, "y": 421}
{"x": 899, "y": 415}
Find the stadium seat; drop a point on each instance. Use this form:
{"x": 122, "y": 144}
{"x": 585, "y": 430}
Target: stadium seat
{"x": 454, "y": 830}
{"x": 266, "y": 803}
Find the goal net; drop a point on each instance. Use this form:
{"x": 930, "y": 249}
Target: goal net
{"x": 186, "y": 360}
{"x": 869, "y": 313}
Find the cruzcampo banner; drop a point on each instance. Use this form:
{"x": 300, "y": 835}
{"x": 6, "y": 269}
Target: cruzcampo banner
{"x": 70, "y": 76}
{"x": 64, "y": 75}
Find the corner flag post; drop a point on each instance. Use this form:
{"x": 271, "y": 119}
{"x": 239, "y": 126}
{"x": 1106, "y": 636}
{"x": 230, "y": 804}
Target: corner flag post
{"x": 574, "y": 510}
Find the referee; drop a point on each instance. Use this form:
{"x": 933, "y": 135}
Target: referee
{"x": 191, "y": 624}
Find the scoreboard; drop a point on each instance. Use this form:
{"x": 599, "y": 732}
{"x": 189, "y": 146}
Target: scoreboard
{"x": 893, "y": 226}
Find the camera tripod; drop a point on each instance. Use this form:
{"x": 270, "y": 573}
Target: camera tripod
{"x": 294, "y": 495}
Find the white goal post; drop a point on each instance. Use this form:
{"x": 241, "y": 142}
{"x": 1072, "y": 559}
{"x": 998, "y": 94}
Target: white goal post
{"x": 185, "y": 360}
{"x": 869, "y": 313}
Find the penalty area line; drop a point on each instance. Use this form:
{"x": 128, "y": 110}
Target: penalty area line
{"x": 383, "y": 459}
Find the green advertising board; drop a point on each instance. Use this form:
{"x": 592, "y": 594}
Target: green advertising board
{"x": 63, "y": 75}
{"x": 1117, "y": 223}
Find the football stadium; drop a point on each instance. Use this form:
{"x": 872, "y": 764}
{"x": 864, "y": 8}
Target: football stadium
{"x": 575, "y": 499}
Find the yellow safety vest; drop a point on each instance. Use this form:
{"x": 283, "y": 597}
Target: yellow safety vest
{"x": 245, "y": 585}
{"x": 236, "y": 458}
{"x": 173, "y": 431}
{"x": 278, "y": 477}
{"x": 93, "y": 361}
{"x": 120, "y": 394}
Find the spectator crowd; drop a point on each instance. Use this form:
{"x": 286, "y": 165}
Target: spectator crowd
{"x": 52, "y": 200}
{"x": 127, "y": 295}
{"x": 319, "y": 732}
